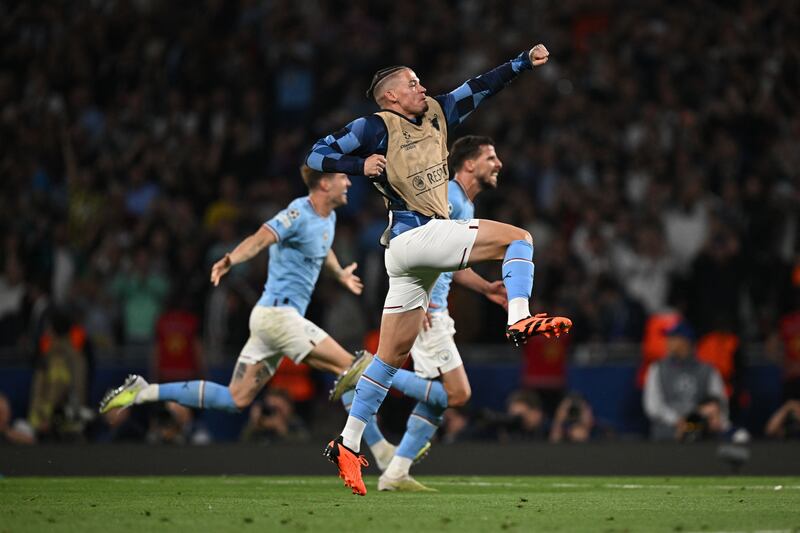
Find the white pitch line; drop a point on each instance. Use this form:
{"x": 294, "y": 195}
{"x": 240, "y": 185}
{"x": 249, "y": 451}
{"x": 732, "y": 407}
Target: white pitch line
{"x": 756, "y": 531}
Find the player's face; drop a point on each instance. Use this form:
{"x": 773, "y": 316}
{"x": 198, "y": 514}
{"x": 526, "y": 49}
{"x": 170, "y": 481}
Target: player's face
{"x": 338, "y": 189}
{"x": 410, "y": 93}
{"x": 487, "y": 167}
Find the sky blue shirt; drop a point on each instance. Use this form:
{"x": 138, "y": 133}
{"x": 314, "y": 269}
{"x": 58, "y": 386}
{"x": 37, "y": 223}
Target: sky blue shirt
{"x": 460, "y": 208}
{"x": 304, "y": 239}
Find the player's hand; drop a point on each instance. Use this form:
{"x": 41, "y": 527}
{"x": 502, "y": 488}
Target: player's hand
{"x": 538, "y": 55}
{"x": 350, "y": 280}
{"x": 497, "y": 294}
{"x": 427, "y": 319}
{"x": 374, "y": 165}
{"x": 220, "y": 268}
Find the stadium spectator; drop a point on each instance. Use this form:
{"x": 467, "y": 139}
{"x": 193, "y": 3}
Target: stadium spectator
{"x": 12, "y": 432}
{"x": 141, "y": 293}
{"x": 785, "y": 422}
{"x": 273, "y": 419}
{"x": 58, "y": 391}
{"x": 573, "y": 420}
{"x": 455, "y": 425}
{"x": 172, "y": 423}
{"x": 706, "y": 422}
{"x": 676, "y": 386}
{"x": 178, "y": 352}
{"x": 12, "y": 299}
{"x": 525, "y": 419}
{"x": 789, "y": 330}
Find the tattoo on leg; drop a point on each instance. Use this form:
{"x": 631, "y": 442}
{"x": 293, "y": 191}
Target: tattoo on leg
{"x": 238, "y": 373}
{"x": 262, "y": 374}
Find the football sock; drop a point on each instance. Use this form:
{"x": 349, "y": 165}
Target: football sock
{"x": 201, "y": 394}
{"x": 518, "y": 279}
{"x": 371, "y": 389}
{"x": 420, "y": 428}
{"x": 372, "y": 433}
{"x": 421, "y": 389}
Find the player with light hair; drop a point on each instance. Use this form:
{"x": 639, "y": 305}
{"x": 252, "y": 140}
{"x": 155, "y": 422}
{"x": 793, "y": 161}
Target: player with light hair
{"x": 403, "y": 149}
{"x": 300, "y": 237}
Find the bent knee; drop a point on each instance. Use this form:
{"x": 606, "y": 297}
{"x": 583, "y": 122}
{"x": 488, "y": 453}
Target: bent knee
{"x": 241, "y": 399}
{"x": 459, "y": 398}
{"x": 517, "y": 234}
{"x": 523, "y": 235}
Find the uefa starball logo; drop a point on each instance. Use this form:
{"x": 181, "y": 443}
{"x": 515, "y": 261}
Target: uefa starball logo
{"x": 418, "y": 183}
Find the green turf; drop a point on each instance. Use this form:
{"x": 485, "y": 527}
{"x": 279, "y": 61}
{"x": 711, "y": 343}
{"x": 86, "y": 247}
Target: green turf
{"x": 462, "y": 504}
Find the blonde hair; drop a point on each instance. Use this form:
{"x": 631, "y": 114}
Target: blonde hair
{"x": 310, "y": 176}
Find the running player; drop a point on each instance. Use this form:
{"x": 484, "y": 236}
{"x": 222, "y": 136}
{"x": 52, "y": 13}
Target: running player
{"x": 302, "y": 235}
{"x": 403, "y": 149}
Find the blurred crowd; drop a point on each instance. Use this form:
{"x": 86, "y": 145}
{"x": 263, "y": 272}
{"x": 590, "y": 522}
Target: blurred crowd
{"x": 654, "y": 160}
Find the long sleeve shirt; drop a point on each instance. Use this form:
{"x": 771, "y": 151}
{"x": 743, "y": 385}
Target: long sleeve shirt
{"x": 346, "y": 150}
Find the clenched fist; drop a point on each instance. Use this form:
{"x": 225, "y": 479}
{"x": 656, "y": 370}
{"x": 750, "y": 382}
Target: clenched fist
{"x": 374, "y": 165}
{"x": 538, "y": 55}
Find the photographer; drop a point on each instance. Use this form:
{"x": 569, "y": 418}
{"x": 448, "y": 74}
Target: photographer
{"x": 524, "y": 418}
{"x": 677, "y": 385}
{"x": 274, "y": 419}
{"x": 706, "y": 422}
{"x": 785, "y": 423}
{"x": 573, "y": 420}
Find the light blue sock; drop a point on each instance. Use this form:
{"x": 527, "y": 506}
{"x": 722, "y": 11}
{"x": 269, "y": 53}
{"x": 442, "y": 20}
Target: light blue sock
{"x": 372, "y": 433}
{"x": 371, "y": 389}
{"x": 518, "y": 270}
{"x": 421, "y": 427}
{"x": 201, "y": 394}
{"x": 421, "y": 389}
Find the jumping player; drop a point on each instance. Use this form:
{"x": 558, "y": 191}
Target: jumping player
{"x": 403, "y": 149}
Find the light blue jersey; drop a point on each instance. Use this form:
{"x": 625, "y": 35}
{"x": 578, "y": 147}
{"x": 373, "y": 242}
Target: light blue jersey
{"x": 304, "y": 239}
{"x": 461, "y": 208}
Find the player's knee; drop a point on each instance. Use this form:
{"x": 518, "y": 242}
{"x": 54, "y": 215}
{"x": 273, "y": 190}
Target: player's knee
{"x": 241, "y": 398}
{"x": 527, "y": 237}
{"x": 522, "y": 235}
{"x": 459, "y": 398}
{"x": 517, "y": 234}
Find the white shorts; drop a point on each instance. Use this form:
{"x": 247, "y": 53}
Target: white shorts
{"x": 277, "y": 332}
{"x": 435, "y": 351}
{"x": 415, "y": 258}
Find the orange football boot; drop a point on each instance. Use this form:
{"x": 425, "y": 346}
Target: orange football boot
{"x": 540, "y": 324}
{"x": 349, "y": 464}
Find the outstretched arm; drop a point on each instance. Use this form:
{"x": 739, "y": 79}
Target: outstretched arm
{"x": 244, "y": 251}
{"x": 494, "y": 291}
{"x": 461, "y": 102}
{"x": 345, "y": 275}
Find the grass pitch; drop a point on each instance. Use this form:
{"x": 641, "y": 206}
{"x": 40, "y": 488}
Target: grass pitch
{"x": 463, "y": 504}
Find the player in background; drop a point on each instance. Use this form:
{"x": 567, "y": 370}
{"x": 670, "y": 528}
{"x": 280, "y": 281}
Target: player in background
{"x": 301, "y": 237}
{"x": 403, "y": 149}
